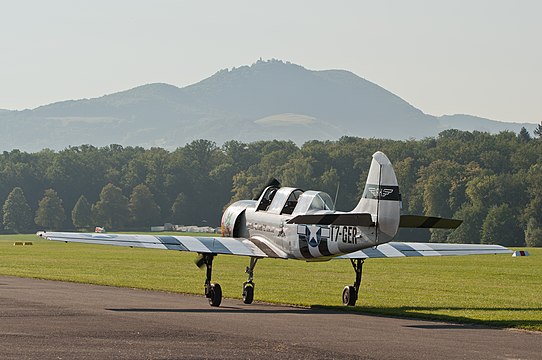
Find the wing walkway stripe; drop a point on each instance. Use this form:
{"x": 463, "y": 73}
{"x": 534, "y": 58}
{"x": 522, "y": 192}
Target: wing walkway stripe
{"x": 406, "y": 249}
{"x": 373, "y": 253}
{"x": 171, "y": 243}
{"x": 263, "y": 247}
{"x": 214, "y": 245}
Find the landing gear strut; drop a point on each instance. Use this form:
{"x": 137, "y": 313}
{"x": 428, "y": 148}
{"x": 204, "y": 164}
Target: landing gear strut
{"x": 350, "y": 293}
{"x": 248, "y": 286}
{"x": 213, "y": 292}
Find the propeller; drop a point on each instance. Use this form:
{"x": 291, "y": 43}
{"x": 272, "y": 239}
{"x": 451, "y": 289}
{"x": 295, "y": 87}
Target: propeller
{"x": 272, "y": 182}
{"x": 200, "y": 261}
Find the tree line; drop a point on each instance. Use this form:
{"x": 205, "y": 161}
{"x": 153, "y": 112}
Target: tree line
{"x": 492, "y": 182}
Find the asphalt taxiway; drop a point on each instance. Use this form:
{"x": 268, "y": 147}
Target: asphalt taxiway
{"x": 42, "y": 319}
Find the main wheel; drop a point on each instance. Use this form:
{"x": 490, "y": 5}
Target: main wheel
{"x": 215, "y": 295}
{"x": 350, "y": 295}
{"x": 248, "y": 293}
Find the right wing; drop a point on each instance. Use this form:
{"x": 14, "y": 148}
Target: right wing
{"x": 408, "y": 249}
{"x": 200, "y": 244}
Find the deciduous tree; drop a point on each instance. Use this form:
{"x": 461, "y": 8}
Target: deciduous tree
{"x": 50, "y": 213}
{"x": 111, "y": 210}
{"x": 143, "y": 209}
{"x": 17, "y": 214}
{"x": 501, "y": 227}
{"x": 533, "y": 234}
{"x": 81, "y": 213}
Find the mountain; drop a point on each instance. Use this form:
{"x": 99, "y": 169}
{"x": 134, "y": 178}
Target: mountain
{"x": 267, "y": 100}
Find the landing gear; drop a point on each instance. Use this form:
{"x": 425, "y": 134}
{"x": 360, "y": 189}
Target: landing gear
{"x": 350, "y": 293}
{"x": 248, "y": 286}
{"x": 213, "y": 292}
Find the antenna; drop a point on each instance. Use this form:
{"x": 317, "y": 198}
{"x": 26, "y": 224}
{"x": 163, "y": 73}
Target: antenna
{"x": 336, "y": 195}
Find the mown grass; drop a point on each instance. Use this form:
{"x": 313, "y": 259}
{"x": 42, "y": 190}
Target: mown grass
{"x": 496, "y": 290}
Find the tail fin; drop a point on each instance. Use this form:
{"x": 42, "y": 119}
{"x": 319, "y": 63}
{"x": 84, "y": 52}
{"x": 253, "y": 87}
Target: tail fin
{"x": 381, "y": 198}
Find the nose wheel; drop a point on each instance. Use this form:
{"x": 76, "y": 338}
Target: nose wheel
{"x": 248, "y": 286}
{"x": 350, "y": 292}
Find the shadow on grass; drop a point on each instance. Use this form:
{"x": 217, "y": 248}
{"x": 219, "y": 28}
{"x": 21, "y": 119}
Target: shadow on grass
{"x": 427, "y": 313}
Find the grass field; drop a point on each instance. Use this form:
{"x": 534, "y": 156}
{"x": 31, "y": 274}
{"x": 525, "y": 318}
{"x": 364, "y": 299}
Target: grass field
{"x": 496, "y": 290}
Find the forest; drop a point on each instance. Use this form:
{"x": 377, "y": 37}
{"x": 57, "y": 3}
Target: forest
{"x": 490, "y": 181}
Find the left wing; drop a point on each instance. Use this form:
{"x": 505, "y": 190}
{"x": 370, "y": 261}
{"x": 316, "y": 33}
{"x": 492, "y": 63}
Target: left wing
{"x": 408, "y": 249}
{"x": 200, "y": 244}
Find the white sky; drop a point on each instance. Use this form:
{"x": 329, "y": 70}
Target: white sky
{"x": 473, "y": 57}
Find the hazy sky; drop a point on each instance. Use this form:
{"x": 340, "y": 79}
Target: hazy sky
{"x": 474, "y": 57}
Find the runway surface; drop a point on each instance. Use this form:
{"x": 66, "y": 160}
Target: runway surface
{"x": 42, "y": 319}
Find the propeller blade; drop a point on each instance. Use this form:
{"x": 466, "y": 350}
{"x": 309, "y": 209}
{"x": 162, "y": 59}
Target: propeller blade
{"x": 200, "y": 261}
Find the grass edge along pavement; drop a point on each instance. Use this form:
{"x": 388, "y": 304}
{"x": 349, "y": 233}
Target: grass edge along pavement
{"x": 494, "y": 290}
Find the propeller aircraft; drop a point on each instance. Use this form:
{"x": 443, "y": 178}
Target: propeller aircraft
{"x": 289, "y": 223}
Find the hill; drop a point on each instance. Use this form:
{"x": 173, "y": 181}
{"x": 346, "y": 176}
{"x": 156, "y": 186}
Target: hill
{"x": 267, "y": 100}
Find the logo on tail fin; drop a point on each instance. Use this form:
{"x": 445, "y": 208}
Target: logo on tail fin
{"x": 381, "y": 192}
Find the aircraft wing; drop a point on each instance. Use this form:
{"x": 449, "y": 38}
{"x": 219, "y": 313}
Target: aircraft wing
{"x": 409, "y": 249}
{"x": 199, "y": 244}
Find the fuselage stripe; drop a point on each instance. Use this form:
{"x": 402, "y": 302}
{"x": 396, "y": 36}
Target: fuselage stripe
{"x": 304, "y": 248}
{"x": 324, "y": 248}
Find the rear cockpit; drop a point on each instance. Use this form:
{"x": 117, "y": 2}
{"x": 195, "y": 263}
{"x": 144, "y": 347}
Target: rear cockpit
{"x": 288, "y": 201}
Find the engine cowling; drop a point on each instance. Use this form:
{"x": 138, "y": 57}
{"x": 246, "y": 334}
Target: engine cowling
{"x": 233, "y": 220}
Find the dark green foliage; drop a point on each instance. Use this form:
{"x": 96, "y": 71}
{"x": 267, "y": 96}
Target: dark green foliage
{"x": 524, "y": 135}
{"x": 17, "y": 215}
{"x": 533, "y": 234}
{"x": 50, "y": 213}
{"x": 179, "y": 210}
{"x": 111, "y": 210}
{"x": 143, "y": 209}
{"x": 457, "y": 174}
{"x": 538, "y": 130}
{"x": 81, "y": 213}
{"x": 501, "y": 227}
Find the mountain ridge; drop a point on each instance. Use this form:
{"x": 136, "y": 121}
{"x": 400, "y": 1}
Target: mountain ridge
{"x": 267, "y": 100}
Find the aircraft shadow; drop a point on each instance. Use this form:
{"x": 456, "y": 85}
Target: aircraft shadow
{"x": 453, "y": 322}
{"x": 461, "y": 322}
{"x": 229, "y": 309}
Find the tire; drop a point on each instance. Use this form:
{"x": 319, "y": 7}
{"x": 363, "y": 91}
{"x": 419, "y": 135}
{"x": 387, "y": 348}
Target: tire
{"x": 248, "y": 293}
{"x": 215, "y": 295}
{"x": 350, "y": 296}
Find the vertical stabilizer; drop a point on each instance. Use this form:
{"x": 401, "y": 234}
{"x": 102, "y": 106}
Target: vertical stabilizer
{"x": 381, "y": 198}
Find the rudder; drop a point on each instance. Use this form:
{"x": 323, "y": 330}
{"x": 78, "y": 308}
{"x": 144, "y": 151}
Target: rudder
{"x": 381, "y": 197}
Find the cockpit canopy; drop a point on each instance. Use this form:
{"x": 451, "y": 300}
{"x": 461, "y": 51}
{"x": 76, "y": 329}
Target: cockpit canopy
{"x": 312, "y": 201}
{"x": 288, "y": 200}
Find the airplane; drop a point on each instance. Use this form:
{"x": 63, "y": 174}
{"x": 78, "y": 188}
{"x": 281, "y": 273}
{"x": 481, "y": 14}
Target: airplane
{"x": 289, "y": 223}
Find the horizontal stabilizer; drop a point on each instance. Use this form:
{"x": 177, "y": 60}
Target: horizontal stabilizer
{"x": 349, "y": 219}
{"x": 428, "y": 222}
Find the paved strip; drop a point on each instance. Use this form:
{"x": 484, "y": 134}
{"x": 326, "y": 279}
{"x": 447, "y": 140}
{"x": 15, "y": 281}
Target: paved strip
{"x": 41, "y": 319}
